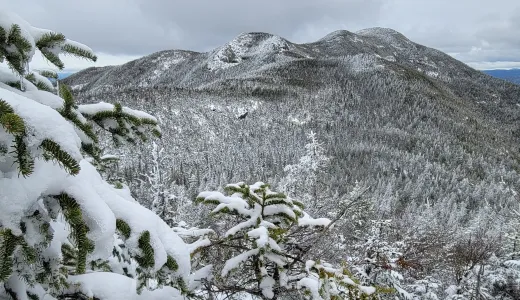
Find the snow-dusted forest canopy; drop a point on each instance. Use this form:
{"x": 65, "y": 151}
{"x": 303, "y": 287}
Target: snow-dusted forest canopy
{"x": 260, "y": 170}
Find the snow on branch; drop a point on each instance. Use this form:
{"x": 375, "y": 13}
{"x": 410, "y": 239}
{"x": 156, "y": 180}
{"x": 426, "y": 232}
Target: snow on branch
{"x": 271, "y": 257}
{"x": 65, "y": 232}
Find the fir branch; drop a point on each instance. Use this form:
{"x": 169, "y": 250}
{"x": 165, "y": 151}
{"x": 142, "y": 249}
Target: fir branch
{"x": 172, "y": 264}
{"x": 124, "y": 228}
{"x": 32, "y": 296}
{"x": 5, "y": 108}
{"x": 12, "y": 123}
{"x": 8, "y": 243}
{"x": 50, "y": 40}
{"x": 78, "y": 52}
{"x": 128, "y": 125}
{"x": 74, "y": 216}
{"x": 17, "y": 59}
{"x": 53, "y": 150}
{"x": 75, "y": 296}
{"x": 157, "y": 133}
{"x": 68, "y": 113}
{"x": 23, "y": 157}
{"x": 49, "y": 74}
{"x": 68, "y": 99}
{"x": 17, "y": 85}
{"x": 3, "y": 36}
{"x": 39, "y": 84}
{"x": 298, "y": 204}
{"x": 70, "y": 255}
{"x": 92, "y": 150}
{"x": 147, "y": 260}
{"x": 53, "y": 58}
{"x": 277, "y": 202}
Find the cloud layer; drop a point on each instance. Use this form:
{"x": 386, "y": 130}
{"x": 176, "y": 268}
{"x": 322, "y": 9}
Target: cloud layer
{"x": 480, "y": 33}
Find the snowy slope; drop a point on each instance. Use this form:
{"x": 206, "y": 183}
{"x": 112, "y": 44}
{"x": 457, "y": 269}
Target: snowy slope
{"x": 384, "y": 106}
{"x": 408, "y": 121}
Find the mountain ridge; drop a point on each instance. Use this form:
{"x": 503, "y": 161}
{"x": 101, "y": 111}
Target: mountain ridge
{"x": 403, "y": 118}
{"x": 262, "y": 61}
{"x": 512, "y": 75}
{"x": 274, "y": 49}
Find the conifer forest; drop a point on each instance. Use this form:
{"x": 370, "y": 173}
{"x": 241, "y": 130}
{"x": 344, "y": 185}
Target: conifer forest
{"x": 361, "y": 165}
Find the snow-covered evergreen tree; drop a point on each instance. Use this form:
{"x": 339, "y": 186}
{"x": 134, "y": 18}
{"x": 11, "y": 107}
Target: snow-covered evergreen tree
{"x": 66, "y": 233}
{"x": 302, "y": 180}
{"x": 266, "y": 246}
{"x": 381, "y": 260}
{"x": 157, "y": 181}
{"x": 425, "y": 289}
{"x": 160, "y": 193}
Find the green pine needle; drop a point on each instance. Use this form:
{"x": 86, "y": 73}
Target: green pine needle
{"x": 8, "y": 243}
{"x": 128, "y": 126}
{"x": 172, "y": 264}
{"x": 23, "y": 157}
{"x": 20, "y": 57}
{"x": 68, "y": 99}
{"x": 156, "y": 133}
{"x": 15, "y": 85}
{"x": 277, "y": 202}
{"x": 53, "y": 150}
{"x": 68, "y": 113}
{"x": 32, "y": 296}
{"x": 69, "y": 255}
{"x": 124, "y": 228}
{"x": 39, "y": 84}
{"x": 49, "y": 74}
{"x": 72, "y": 115}
{"x": 50, "y": 40}
{"x": 3, "y": 35}
{"x": 12, "y": 123}
{"x": 299, "y": 204}
{"x": 79, "y": 52}
{"x": 5, "y": 108}
{"x": 53, "y": 58}
{"x": 73, "y": 215}
{"x": 147, "y": 260}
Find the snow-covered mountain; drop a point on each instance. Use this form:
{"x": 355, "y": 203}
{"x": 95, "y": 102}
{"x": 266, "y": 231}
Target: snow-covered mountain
{"x": 250, "y": 55}
{"x": 410, "y": 121}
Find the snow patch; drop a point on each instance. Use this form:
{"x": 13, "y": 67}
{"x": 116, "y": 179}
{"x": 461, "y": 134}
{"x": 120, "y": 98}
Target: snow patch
{"x": 299, "y": 121}
{"x": 111, "y": 286}
{"x": 389, "y": 36}
{"x": 432, "y": 74}
{"x": 390, "y": 58}
{"x": 78, "y": 86}
{"x": 244, "y": 45}
{"x": 165, "y": 62}
{"x": 363, "y": 63}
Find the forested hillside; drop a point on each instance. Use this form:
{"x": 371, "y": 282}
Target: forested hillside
{"x": 430, "y": 144}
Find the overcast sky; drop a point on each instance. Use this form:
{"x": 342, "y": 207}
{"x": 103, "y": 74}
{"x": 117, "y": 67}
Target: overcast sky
{"x": 482, "y": 33}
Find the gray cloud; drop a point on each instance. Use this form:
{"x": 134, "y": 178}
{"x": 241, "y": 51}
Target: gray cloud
{"x": 480, "y": 31}
{"x": 206, "y": 24}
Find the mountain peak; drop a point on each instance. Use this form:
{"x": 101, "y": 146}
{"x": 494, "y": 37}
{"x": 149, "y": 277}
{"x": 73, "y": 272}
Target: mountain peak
{"x": 388, "y": 35}
{"x": 252, "y": 54}
{"x": 244, "y": 46}
{"x": 379, "y": 31}
{"x": 338, "y": 34}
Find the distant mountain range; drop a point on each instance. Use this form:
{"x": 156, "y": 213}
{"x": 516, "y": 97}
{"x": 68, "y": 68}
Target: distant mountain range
{"x": 63, "y": 75}
{"x": 408, "y": 121}
{"x": 512, "y": 75}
